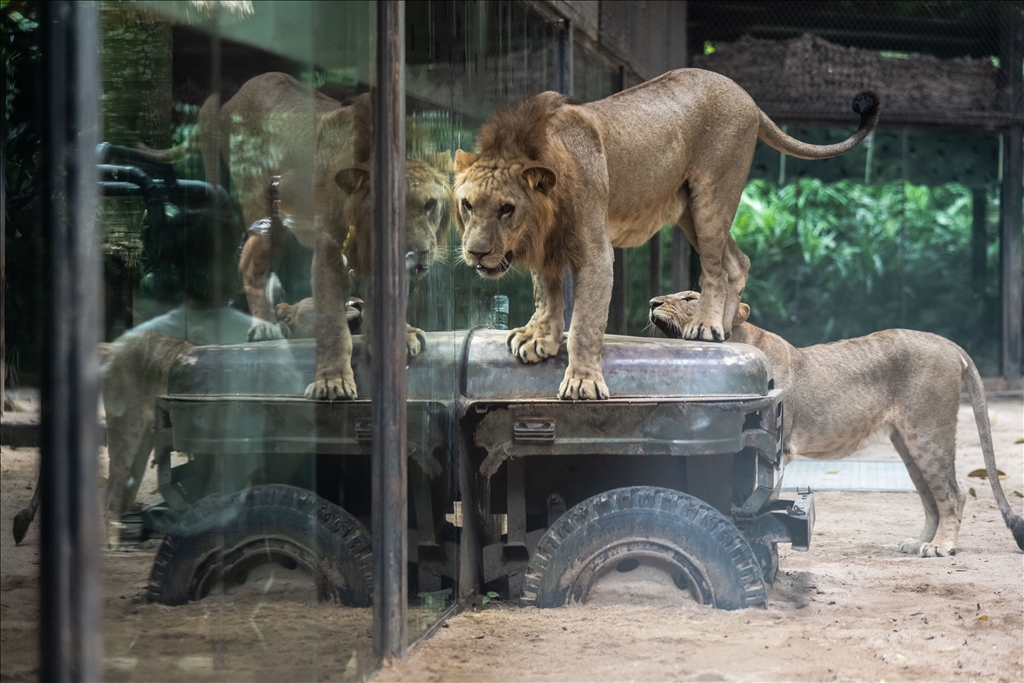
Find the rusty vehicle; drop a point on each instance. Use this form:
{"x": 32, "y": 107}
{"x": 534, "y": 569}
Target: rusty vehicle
{"x": 510, "y": 489}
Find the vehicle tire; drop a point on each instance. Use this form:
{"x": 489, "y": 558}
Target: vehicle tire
{"x": 699, "y": 547}
{"x": 223, "y": 537}
{"x": 767, "y": 555}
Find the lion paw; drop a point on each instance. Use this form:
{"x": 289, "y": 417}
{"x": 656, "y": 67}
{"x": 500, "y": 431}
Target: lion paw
{"x": 700, "y": 332}
{"x": 339, "y": 388}
{"x": 915, "y": 546}
{"x": 582, "y": 388}
{"x": 935, "y": 550}
{"x": 263, "y": 330}
{"x": 911, "y": 546}
{"x": 415, "y": 340}
{"x": 532, "y": 346}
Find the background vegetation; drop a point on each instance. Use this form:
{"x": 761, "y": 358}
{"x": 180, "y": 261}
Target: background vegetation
{"x": 837, "y": 260}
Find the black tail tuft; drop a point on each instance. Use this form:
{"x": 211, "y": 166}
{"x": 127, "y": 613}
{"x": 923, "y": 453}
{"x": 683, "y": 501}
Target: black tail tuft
{"x": 866, "y": 105}
{"x": 1016, "y": 525}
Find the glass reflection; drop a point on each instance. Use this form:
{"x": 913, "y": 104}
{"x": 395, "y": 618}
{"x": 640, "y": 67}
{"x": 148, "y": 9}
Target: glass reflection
{"x": 245, "y": 551}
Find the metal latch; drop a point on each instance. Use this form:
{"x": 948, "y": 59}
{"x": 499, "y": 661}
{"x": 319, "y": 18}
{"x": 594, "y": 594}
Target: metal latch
{"x": 534, "y": 429}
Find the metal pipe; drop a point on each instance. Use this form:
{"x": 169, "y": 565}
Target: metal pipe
{"x": 388, "y": 354}
{"x": 70, "y": 640}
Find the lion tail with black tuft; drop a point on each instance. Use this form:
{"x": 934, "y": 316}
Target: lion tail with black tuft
{"x": 865, "y": 104}
{"x": 976, "y": 390}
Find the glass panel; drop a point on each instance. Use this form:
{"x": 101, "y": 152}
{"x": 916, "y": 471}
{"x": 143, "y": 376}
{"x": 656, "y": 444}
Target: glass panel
{"x": 593, "y": 77}
{"x": 244, "y": 551}
{"x": 465, "y": 60}
{"x": 871, "y": 239}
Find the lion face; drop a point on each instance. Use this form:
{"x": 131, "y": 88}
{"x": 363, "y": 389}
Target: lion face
{"x": 502, "y": 212}
{"x": 672, "y": 312}
{"x": 427, "y": 213}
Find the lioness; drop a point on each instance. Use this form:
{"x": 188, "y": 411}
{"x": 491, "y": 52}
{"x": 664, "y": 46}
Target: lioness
{"x": 902, "y": 381}
{"x": 554, "y": 183}
{"x": 275, "y": 126}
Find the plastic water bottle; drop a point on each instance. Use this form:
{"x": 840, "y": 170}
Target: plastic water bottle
{"x": 499, "y": 311}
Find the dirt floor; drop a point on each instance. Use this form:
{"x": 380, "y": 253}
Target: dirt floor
{"x": 852, "y": 608}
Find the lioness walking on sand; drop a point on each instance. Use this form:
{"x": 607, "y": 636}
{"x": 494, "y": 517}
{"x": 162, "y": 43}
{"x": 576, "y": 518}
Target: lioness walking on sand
{"x": 904, "y": 381}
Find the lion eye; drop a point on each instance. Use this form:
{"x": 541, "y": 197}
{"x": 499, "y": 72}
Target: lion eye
{"x": 430, "y": 205}
{"x": 466, "y": 205}
{"x": 506, "y": 210}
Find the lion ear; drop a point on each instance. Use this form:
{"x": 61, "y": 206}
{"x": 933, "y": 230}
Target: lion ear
{"x": 442, "y": 161}
{"x": 742, "y": 313}
{"x": 464, "y": 160}
{"x": 352, "y": 178}
{"x": 540, "y": 178}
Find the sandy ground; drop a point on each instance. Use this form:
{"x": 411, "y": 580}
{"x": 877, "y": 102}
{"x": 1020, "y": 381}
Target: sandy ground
{"x": 852, "y": 608}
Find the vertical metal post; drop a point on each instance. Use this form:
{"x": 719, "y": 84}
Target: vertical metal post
{"x": 1010, "y": 253}
{"x": 564, "y": 74}
{"x": 654, "y": 279}
{"x": 680, "y": 260}
{"x": 979, "y": 249}
{"x": 390, "y": 515}
{"x": 681, "y": 245}
{"x": 70, "y": 642}
{"x": 1012, "y": 195}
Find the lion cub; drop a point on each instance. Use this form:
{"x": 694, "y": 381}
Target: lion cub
{"x": 904, "y": 381}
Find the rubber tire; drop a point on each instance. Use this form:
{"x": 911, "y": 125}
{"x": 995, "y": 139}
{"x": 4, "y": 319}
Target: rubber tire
{"x": 704, "y": 549}
{"x": 225, "y": 534}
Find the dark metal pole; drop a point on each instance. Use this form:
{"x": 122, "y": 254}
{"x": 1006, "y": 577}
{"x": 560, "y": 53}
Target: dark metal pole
{"x": 390, "y": 516}
{"x": 1010, "y": 254}
{"x": 1011, "y": 94}
{"x": 70, "y": 641}
{"x": 654, "y": 281}
{"x": 680, "y": 260}
{"x": 564, "y": 66}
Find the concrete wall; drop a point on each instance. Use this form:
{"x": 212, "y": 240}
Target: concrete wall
{"x": 647, "y": 36}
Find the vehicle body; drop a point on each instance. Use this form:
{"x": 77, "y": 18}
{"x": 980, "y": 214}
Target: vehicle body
{"x": 486, "y": 433}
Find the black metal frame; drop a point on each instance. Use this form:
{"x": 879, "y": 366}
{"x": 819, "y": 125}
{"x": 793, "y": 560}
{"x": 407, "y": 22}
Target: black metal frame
{"x": 70, "y": 636}
{"x": 388, "y": 354}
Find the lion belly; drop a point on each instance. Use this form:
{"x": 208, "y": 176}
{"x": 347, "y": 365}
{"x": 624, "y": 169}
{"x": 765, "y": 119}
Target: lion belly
{"x": 634, "y": 229}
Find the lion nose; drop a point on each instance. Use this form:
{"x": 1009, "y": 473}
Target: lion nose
{"x": 655, "y": 304}
{"x": 480, "y": 254}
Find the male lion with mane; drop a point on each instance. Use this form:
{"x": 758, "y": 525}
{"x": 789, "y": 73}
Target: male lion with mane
{"x": 555, "y": 184}
{"x": 903, "y": 382}
{"x": 320, "y": 149}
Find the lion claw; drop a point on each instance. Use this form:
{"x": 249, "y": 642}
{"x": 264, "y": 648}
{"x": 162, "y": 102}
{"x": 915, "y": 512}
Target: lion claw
{"x": 339, "y": 388}
{"x": 712, "y": 333}
{"x": 530, "y": 346}
{"x": 263, "y": 330}
{"x": 575, "y": 388}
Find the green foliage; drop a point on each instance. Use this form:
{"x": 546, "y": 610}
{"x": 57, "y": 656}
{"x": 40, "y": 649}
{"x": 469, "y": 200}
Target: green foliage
{"x": 837, "y": 261}
{"x": 840, "y": 260}
{"x": 22, "y": 298}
